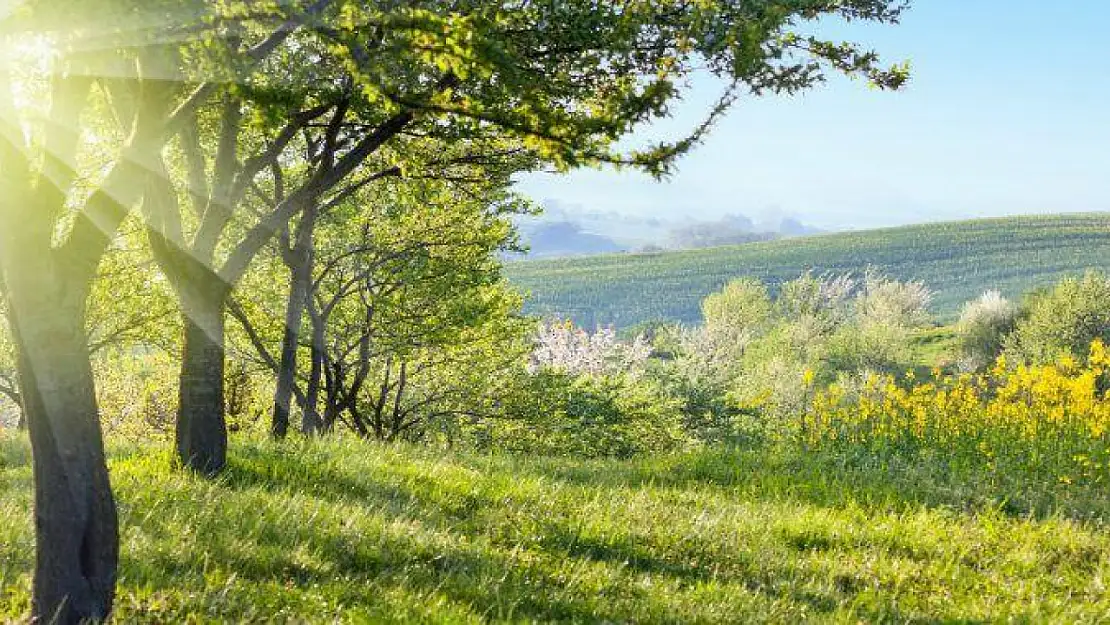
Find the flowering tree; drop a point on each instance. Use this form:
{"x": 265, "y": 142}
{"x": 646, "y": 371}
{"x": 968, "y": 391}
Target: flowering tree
{"x": 564, "y": 347}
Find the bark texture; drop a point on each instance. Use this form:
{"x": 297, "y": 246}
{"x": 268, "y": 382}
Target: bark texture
{"x": 201, "y": 422}
{"x": 299, "y": 284}
{"x": 299, "y": 260}
{"x": 76, "y": 526}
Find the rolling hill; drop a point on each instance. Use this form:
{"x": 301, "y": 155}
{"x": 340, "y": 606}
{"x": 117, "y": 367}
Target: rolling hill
{"x": 958, "y": 260}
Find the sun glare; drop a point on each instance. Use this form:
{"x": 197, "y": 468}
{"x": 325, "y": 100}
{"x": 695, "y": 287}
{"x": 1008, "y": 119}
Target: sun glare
{"x": 30, "y": 60}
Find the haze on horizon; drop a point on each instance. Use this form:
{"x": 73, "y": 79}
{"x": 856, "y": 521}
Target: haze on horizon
{"x": 1006, "y": 114}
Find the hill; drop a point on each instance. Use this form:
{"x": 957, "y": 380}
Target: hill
{"x": 958, "y": 260}
{"x": 339, "y": 531}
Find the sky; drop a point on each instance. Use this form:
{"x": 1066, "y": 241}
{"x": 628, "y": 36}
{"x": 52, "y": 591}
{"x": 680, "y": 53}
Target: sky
{"x": 1007, "y": 112}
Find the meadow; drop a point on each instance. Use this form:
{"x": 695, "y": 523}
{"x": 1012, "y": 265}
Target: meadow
{"x": 957, "y": 260}
{"x": 332, "y": 530}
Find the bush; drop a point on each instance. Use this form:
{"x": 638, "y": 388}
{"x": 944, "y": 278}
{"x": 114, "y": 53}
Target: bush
{"x": 827, "y": 299}
{"x": 1064, "y": 320}
{"x": 563, "y": 347}
{"x": 982, "y": 328}
{"x": 885, "y": 348}
{"x": 555, "y": 413}
{"x": 816, "y": 330}
{"x": 735, "y": 315}
{"x": 893, "y": 303}
{"x": 1048, "y": 422}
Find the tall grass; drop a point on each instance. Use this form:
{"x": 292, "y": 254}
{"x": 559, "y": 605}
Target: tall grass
{"x": 339, "y": 530}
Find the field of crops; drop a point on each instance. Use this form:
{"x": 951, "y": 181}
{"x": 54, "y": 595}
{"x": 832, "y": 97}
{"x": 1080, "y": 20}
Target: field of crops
{"x": 958, "y": 260}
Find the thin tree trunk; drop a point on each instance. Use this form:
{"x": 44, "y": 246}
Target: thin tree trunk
{"x": 311, "y": 423}
{"x": 201, "y": 424}
{"x": 76, "y": 527}
{"x": 287, "y": 370}
{"x": 299, "y": 262}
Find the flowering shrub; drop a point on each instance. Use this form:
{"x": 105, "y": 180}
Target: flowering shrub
{"x": 1050, "y": 419}
{"x": 983, "y": 325}
{"x": 564, "y": 347}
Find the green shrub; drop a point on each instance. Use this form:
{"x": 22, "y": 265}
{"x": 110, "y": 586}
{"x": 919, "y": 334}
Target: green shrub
{"x": 1063, "y": 320}
{"x": 555, "y": 413}
{"x": 815, "y": 331}
{"x": 735, "y": 315}
{"x": 885, "y": 348}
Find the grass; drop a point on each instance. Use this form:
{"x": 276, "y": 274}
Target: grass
{"x": 936, "y": 347}
{"x": 960, "y": 260}
{"x": 342, "y": 531}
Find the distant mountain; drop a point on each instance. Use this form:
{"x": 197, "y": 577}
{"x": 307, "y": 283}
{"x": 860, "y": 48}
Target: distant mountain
{"x": 562, "y": 231}
{"x": 790, "y": 227}
{"x": 729, "y": 230}
{"x": 565, "y": 238}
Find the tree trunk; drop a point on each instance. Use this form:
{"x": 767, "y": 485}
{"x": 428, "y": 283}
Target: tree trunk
{"x": 76, "y": 528}
{"x": 311, "y": 424}
{"x": 299, "y": 261}
{"x": 201, "y": 425}
{"x": 299, "y": 285}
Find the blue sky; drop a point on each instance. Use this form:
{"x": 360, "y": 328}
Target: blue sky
{"x": 1008, "y": 112}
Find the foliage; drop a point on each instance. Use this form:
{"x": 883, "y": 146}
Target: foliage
{"x": 587, "y": 415}
{"x": 690, "y": 369}
{"x": 883, "y": 301}
{"x": 735, "y": 315}
{"x": 983, "y": 325}
{"x": 759, "y": 348}
{"x": 960, "y": 259}
{"x": 1063, "y": 320}
{"x": 137, "y": 392}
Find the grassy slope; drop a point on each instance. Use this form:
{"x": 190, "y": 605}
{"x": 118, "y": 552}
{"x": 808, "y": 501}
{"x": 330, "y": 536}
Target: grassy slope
{"x": 342, "y": 531}
{"x": 959, "y": 260}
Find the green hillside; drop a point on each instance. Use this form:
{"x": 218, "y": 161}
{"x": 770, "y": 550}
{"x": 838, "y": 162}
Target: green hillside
{"x": 958, "y": 260}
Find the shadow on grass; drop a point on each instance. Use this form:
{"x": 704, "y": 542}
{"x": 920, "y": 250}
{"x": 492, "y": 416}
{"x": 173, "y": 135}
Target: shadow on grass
{"x": 484, "y": 574}
{"x": 449, "y": 553}
{"x": 828, "y": 479}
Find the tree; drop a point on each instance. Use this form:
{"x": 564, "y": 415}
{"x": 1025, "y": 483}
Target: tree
{"x": 568, "y": 79}
{"x": 402, "y": 313}
{"x": 125, "y": 310}
{"x": 470, "y": 170}
{"x": 95, "y": 66}
{"x": 47, "y": 282}
{"x": 1062, "y": 320}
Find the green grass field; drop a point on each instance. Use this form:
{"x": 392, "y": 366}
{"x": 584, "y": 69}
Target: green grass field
{"x": 342, "y": 531}
{"x": 958, "y": 260}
